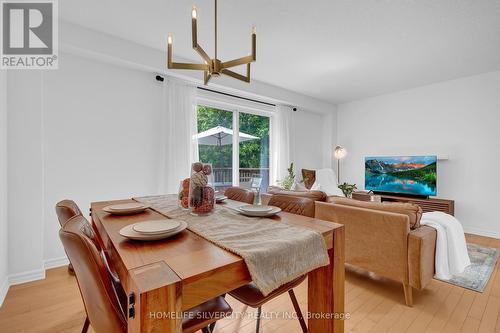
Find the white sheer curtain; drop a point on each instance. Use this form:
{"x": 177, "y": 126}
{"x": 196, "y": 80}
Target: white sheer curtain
{"x": 281, "y": 142}
{"x": 179, "y": 128}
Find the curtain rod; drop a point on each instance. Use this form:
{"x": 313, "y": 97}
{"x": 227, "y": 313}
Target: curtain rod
{"x": 235, "y": 96}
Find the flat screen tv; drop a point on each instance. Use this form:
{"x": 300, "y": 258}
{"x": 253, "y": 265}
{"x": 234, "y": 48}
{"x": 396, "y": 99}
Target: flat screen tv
{"x": 413, "y": 175}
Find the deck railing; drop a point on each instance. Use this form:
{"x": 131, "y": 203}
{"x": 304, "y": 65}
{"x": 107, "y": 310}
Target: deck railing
{"x": 223, "y": 177}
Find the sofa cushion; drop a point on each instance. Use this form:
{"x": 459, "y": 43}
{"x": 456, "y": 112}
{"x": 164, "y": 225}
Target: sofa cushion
{"x": 413, "y": 211}
{"x": 309, "y": 177}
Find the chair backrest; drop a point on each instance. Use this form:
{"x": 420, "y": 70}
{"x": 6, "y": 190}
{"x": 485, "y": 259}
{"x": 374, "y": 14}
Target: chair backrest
{"x": 240, "y": 194}
{"x": 65, "y": 210}
{"x": 294, "y": 205}
{"x": 96, "y": 286}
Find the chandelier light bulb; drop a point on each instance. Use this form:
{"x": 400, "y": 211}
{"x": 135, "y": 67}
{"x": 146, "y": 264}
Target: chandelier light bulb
{"x": 194, "y": 13}
{"x": 254, "y": 30}
{"x": 169, "y": 39}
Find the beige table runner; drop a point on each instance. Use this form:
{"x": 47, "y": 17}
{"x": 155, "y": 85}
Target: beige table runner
{"x": 275, "y": 253}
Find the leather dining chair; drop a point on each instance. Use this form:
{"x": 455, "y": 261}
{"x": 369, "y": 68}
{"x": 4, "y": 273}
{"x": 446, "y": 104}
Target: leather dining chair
{"x": 240, "y": 194}
{"x": 249, "y": 294}
{"x": 65, "y": 210}
{"x": 105, "y": 311}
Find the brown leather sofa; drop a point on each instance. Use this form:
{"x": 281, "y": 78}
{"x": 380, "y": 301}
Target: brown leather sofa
{"x": 273, "y": 190}
{"x": 386, "y": 239}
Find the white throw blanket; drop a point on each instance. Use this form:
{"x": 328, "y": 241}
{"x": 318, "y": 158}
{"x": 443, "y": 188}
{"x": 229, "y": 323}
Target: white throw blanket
{"x": 451, "y": 249}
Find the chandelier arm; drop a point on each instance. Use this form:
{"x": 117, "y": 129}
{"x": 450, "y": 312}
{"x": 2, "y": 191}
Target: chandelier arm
{"x": 206, "y": 77}
{"x": 182, "y": 65}
{"x": 196, "y": 46}
{"x": 202, "y": 53}
{"x": 243, "y": 60}
{"x": 238, "y": 62}
{"x": 238, "y": 76}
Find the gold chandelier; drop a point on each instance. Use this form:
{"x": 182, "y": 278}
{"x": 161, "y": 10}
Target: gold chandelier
{"x": 212, "y": 67}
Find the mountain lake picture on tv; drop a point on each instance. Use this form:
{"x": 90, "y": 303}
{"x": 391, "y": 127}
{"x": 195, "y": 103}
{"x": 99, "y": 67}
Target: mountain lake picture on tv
{"x": 414, "y": 175}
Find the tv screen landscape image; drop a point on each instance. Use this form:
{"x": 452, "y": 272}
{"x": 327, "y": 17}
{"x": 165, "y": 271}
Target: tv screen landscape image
{"x": 414, "y": 175}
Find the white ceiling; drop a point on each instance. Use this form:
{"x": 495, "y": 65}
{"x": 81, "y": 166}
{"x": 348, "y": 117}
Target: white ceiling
{"x": 334, "y": 50}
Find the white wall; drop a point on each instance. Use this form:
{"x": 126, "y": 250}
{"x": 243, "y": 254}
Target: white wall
{"x": 459, "y": 119}
{"x": 88, "y": 131}
{"x": 3, "y": 186}
{"x": 25, "y": 181}
{"x": 102, "y": 137}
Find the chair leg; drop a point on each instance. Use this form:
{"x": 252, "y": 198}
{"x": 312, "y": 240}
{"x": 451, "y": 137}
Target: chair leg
{"x": 297, "y": 310}
{"x": 259, "y": 312}
{"x": 86, "y": 325}
{"x": 206, "y": 330}
{"x": 408, "y": 294}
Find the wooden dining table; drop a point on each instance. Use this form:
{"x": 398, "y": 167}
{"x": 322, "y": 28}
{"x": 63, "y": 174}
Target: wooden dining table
{"x": 167, "y": 277}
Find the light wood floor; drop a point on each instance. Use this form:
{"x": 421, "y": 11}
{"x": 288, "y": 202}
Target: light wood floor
{"x": 375, "y": 305}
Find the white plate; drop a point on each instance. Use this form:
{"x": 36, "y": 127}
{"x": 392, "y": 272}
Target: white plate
{"x": 273, "y": 211}
{"x": 256, "y": 208}
{"x": 126, "y": 209}
{"x": 156, "y": 226}
{"x": 220, "y": 198}
{"x": 128, "y": 232}
{"x": 127, "y": 206}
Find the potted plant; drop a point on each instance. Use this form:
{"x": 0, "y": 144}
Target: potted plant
{"x": 288, "y": 181}
{"x": 347, "y": 189}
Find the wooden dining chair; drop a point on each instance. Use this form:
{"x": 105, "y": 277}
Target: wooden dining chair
{"x": 249, "y": 294}
{"x": 240, "y": 194}
{"x": 96, "y": 280}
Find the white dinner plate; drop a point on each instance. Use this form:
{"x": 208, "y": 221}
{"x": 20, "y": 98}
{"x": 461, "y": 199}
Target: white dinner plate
{"x": 256, "y": 208}
{"x": 273, "y": 211}
{"x": 156, "y": 226}
{"x": 220, "y": 198}
{"x": 126, "y": 209}
{"x": 130, "y": 233}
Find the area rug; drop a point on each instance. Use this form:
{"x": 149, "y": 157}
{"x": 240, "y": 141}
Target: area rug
{"x": 477, "y": 275}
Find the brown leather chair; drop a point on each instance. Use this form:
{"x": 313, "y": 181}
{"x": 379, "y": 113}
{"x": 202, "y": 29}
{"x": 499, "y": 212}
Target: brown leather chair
{"x": 249, "y": 294}
{"x": 240, "y": 194}
{"x": 65, "y": 210}
{"x": 295, "y": 205}
{"x": 95, "y": 279}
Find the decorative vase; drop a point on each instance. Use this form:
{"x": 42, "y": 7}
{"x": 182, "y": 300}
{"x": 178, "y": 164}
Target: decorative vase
{"x": 184, "y": 194}
{"x": 201, "y": 189}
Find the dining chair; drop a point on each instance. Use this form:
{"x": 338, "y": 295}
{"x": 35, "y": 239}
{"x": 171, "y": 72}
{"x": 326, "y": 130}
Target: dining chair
{"x": 65, "y": 210}
{"x": 105, "y": 310}
{"x": 249, "y": 294}
{"x": 291, "y": 204}
{"x": 240, "y": 194}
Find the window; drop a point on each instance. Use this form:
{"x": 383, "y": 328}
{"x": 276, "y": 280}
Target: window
{"x": 236, "y": 143}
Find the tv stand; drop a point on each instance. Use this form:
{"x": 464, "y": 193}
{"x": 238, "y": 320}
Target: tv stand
{"x": 427, "y": 204}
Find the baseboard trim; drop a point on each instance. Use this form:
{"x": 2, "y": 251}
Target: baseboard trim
{"x": 4, "y": 288}
{"x": 33, "y": 275}
{"x": 56, "y": 262}
{"x": 481, "y": 232}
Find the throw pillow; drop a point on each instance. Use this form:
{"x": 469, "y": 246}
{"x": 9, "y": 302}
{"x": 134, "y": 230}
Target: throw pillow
{"x": 309, "y": 177}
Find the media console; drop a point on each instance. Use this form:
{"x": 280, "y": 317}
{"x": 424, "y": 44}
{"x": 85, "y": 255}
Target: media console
{"x": 428, "y": 205}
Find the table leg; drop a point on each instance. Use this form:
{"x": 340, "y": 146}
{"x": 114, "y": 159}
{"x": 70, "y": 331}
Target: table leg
{"x": 326, "y": 291}
{"x": 156, "y": 304}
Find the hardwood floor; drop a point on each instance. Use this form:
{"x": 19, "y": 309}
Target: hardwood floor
{"x": 375, "y": 305}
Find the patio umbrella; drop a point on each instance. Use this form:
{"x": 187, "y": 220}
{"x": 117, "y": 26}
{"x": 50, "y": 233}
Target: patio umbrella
{"x": 221, "y": 136}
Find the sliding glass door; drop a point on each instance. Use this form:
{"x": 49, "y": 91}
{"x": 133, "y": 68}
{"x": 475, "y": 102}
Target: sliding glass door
{"x": 254, "y": 151}
{"x": 236, "y": 143}
{"x": 215, "y": 143}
